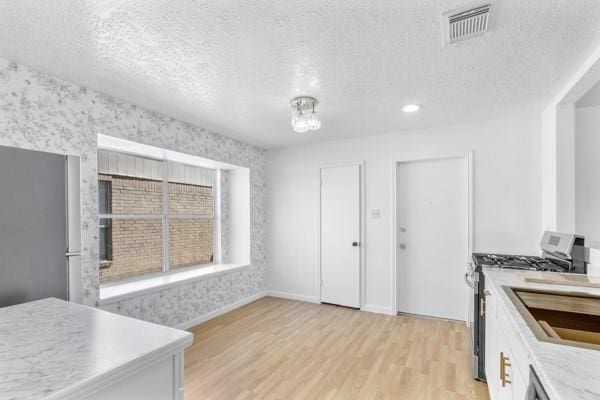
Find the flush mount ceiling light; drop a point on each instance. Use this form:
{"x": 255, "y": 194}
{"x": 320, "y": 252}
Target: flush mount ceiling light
{"x": 411, "y": 108}
{"x": 304, "y": 117}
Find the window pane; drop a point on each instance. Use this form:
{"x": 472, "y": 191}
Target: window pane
{"x": 104, "y": 196}
{"x": 135, "y": 183}
{"x": 137, "y": 246}
{"x": 191, "y": 190}
{"x": 191, "y": 200}
{"x": 105, "y": 240}
{"x": 190, "y": 242}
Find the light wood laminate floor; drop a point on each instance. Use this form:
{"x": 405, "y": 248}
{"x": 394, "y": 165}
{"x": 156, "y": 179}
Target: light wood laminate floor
{"x": 283, "y": 349}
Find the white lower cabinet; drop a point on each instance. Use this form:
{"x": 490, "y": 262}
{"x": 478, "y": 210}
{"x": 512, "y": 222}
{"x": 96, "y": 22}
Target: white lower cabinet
{"x": 519, "y": 385}
{"x": 512, "y": 384}
{"x": 161, "y": 380}
{"x": 505, "y": 377}
{"x": 491, "y": 346}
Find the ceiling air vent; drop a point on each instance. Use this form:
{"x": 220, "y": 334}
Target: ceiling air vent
{"x": 466, "y": 23}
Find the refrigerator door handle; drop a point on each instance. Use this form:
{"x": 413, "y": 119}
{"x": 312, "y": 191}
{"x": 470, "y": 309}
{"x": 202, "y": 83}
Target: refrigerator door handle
{"x": 468, "y": 281}
{"x": 470, "y": 275}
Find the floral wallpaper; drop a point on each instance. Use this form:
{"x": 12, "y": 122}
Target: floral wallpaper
{"x": 178, "y": 305}
{"x": 41, "y": 112}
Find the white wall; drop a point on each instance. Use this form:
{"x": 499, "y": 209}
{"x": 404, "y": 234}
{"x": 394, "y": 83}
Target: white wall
{"x": 558, "y": 145}
{"x": 40, "y": 112}
{"x": 591, "y": 98}
{"x": 587, "y": 174}
{"x": 565, "y": 172}
{"x": 558, "y": 168}
{"x": 549, "y": 166}
{"x": 239, "y": 206}
{"x": 507, "y": 197}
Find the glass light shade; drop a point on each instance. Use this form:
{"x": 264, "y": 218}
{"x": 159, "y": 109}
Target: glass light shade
{"x": 300, "y": 123}
{"x": 313, "y": 122}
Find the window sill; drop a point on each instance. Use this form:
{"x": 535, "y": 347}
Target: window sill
{"x": 112, "y": 292}
{"x": 105, "y": 264}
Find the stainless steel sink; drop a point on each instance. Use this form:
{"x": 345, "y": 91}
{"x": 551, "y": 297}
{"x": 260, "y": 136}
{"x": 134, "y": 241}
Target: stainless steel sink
{"x": 566, "y": 318}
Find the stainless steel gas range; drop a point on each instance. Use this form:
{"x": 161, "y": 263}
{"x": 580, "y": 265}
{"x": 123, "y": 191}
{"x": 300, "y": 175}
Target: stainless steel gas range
{"x": 561, "y": 252}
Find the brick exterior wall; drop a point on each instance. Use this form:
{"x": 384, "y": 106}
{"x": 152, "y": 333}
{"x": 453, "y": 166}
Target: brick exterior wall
{"x": 190, "y": 240}
{"x": 137, "y": 249}
{"x": 137, "y": 244}
{"x": 136, "y": 196}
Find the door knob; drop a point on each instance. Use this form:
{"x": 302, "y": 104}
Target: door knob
{"x": 354, "y": 244}
{"x": 402, "y": 245}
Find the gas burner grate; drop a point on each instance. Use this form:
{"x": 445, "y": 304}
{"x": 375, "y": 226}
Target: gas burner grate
{"x": 532, "y": 263}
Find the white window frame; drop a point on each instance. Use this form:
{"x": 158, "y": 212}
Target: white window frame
{"x": 99, "y": 219}
{"x": 165, "y": 216}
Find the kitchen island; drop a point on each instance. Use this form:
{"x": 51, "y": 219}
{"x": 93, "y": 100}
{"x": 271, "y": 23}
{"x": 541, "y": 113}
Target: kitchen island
{"x": 53, "y": 349}
{"x": 566, "y": 372}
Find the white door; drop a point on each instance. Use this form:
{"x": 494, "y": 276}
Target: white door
{"x": 432, "y": 237}
{"x": 340, "y": 235}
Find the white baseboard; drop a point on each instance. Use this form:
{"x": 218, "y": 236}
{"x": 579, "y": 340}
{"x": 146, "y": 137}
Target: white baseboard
{"x": 273, "y": 293}
{"x": 220, "y": 311}
{"x": 311, "y": 299}
{"x": 377, "y": 309}
{"x": 292, "y": 296}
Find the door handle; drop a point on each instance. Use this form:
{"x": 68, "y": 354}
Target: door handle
{"x": 482, "y": 309}
{"x": 355, "y": 244}
{"x": 402, "y": 246}
{"x": 73, "y": 254}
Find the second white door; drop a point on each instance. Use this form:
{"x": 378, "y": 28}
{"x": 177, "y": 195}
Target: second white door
{"x": 432, "y": 198}
{"x": 340, "y": 235}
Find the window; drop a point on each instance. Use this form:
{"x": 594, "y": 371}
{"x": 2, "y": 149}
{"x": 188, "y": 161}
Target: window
{"x": 155, "y": 215}
{"x": 104, "y": 194}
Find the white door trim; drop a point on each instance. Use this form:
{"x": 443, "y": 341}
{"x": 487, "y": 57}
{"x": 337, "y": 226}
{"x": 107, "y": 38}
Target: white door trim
{"x": 394, "y": 163}
{"x": 362, "y": 239}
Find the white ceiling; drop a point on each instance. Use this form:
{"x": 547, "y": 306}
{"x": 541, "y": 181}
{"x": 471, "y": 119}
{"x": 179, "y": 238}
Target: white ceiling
{"x": 233, "y": 66}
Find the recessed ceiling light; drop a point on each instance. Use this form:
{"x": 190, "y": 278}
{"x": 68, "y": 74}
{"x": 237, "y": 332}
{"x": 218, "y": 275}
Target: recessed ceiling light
{"x": 410, "y": 108}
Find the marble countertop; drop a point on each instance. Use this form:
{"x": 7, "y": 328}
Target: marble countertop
{"x": 567, "y": 373}
{"x": 50, "y": 348}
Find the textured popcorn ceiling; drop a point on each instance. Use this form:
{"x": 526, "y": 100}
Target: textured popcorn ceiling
{"x": 232, "y": 66}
